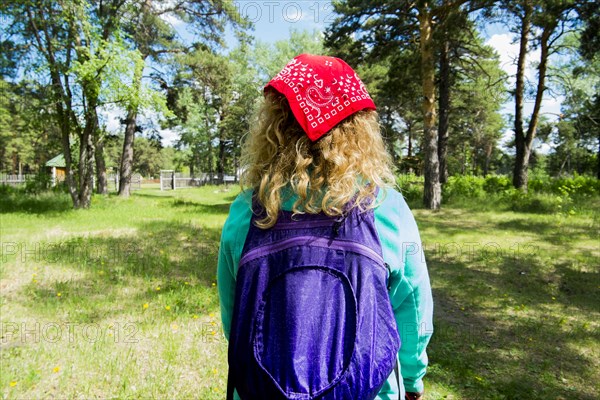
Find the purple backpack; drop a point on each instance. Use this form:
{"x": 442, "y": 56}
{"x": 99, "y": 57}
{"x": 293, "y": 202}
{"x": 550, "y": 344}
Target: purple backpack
{"x": 312, "y": 317}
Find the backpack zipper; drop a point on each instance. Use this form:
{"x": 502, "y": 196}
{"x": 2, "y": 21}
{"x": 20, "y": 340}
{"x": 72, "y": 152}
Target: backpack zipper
{"x": 335, "y": 244}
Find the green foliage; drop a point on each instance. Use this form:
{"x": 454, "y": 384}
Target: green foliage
{"x": 578, "y": 186}
{"x": 269, "y": 59}
{"x": 575, "y": 135}
{"x": 464, "y": 186}
{"x": 411, "y": 187}
{"x": 28, "y": 134}
{"x": 33, "y": 200}
{"x": 497, "y": 184}
{"x": 40, "y": 183}
{"x": 545, "y": 195}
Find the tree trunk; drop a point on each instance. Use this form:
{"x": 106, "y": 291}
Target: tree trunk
{"x": 521, "y": 158}
{"x": 126, "y": 169}
{"x": 127, "y": 156}
{"x": 221, "y": 159}
{"x": 598, "y": 159}
{"x": 409, "y": 127}
{"x": 86, "y": 167}
{"x": 87, "y": 148}
{"x": 432, "y": 192}
{"x": 64, "y": 121}
{"x": 488, "y": 158}
{"x": 444, "y": 105}
{"x": 523, "y": 140}
{"x": 101, "y": 178}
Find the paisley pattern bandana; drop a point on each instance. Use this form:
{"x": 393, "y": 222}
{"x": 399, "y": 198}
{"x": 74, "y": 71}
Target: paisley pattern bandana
{"x": 321, "y": 91}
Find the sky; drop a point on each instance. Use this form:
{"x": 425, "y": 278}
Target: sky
{"x": 273, "y": 21}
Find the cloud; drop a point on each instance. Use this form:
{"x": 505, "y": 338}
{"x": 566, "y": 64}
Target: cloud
{"x": 169, "y": 137}
{"x": 111, "y": 117}
{"x": 508, "y": 50}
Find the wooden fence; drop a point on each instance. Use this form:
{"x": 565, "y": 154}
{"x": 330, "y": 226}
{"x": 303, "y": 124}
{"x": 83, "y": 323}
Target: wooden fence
{"x": 136, "y": 181}
{"x": 171, "y": 180}
{"x": 14, "y": 180}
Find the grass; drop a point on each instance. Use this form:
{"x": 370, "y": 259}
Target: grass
{"x": 120, "y": 301}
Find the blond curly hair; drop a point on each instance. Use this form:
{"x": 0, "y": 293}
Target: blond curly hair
{"x": 277, "y": 152}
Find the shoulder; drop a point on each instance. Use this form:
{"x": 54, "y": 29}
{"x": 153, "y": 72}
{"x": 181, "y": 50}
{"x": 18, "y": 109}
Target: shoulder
{"x": 238, "y": 220}
{"x": 395, "y": 226}
{"x": 392, "y": 207}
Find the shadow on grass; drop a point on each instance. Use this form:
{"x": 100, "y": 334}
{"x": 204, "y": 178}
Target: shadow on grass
{"x": 548, "y": 230}
{"x": 159, "y": 249}
{"x": 211, "y": 209}
{"x": 44, "y": 203}
{"x": 496, "y": 335}
{"x": 160, "y": 254}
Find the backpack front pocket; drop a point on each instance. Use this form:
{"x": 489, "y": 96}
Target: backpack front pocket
{"x": 305, "y": 330}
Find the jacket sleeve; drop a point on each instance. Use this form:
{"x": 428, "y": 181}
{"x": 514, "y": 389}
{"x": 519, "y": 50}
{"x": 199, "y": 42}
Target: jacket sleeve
{"x": 226, "y": 285}
{"x": 233, "y": 238}
{"x": 412, "y": 302}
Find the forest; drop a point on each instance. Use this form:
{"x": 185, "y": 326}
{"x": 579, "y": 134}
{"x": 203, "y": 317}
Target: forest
{"x": 447, "y": 106}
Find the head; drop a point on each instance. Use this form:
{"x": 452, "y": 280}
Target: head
{"x": 325, "y": 172}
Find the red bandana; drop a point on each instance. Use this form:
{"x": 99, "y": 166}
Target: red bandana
{"x": 321, "y": 91}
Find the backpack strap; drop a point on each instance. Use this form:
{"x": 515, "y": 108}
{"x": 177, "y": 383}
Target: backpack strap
{"x": 230, "y": 386}
{"x": 397, "y": 371}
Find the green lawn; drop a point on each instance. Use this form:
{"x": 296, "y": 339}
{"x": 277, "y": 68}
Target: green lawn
{"x": 120, "y": 301}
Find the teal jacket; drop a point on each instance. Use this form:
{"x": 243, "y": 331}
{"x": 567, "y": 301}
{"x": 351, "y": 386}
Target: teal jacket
{"x": 410, "y": 292}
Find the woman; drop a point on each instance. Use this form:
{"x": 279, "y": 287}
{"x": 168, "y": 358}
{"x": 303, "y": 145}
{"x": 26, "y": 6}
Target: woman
{"x": 316, "y": 153}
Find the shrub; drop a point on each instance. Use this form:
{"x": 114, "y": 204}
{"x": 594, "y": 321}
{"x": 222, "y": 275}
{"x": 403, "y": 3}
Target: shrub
{"x": 539, "y": 203}
{"x": 39, "y": 184}
{"x": 497, "y": 183}
{"x": 411, "y": 186}
{"x": 468, "y": 186}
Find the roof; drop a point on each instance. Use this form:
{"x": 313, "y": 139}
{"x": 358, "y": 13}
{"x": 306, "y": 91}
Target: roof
{"x": 58, "y": 161}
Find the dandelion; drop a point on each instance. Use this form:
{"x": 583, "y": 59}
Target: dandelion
{"x": 13, "y": 383}
{"x": 215, "y": 371}
{"x": 157, "y": 288}
{"x": 174, "y": 326}
{"x": 56, "y": 369}
{"x": 58, "y": 294}
{"x": 167, "y": 308}
{"x": 34, "y": 274}
{"x": 212, "y": 315}
{"x": 214, "y": 284}
{"x": 195, "y": 316}
{"x": 145, "y": 305}
{"x": 187, "y": 283}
